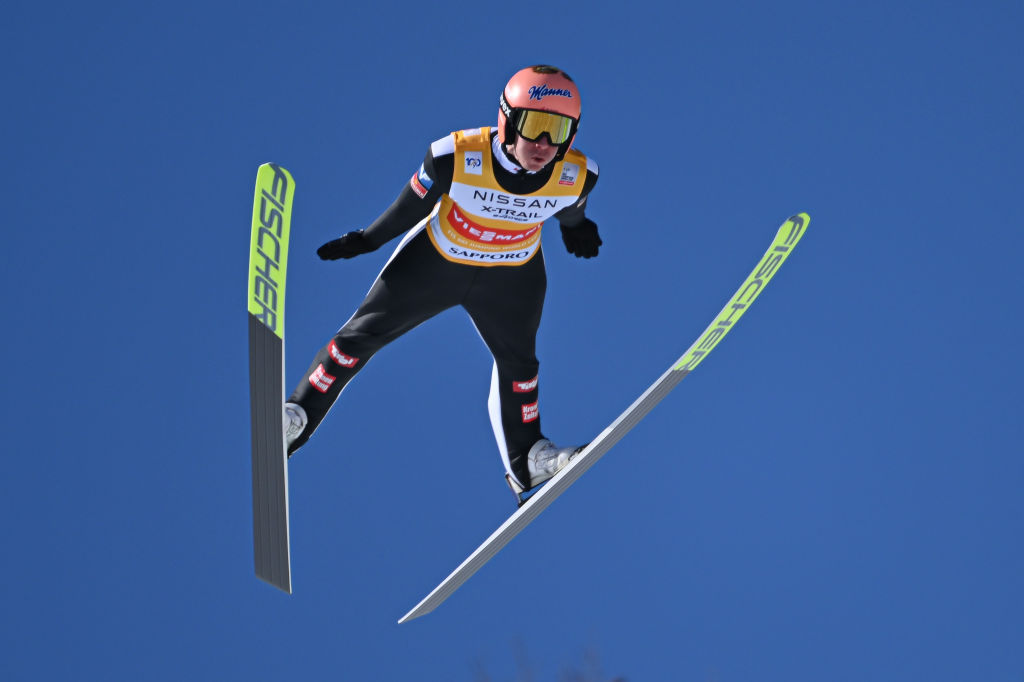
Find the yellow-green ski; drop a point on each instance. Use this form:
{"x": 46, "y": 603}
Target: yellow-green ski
{"x": 786, "y": 238}
{"x": 268, "y": 260}
{"x": 268, "y": 251}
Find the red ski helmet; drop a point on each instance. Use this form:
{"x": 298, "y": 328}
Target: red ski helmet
{"x": 540, "y": 100}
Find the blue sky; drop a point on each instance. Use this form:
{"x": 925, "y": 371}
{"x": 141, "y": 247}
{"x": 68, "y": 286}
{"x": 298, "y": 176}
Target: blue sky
{"x": 835, "y": 494}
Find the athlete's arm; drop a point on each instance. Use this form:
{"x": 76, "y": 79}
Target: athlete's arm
{"x": 414, "y": 203}
{"x": 418, "y": 196}
{"x": 579, "y": 233}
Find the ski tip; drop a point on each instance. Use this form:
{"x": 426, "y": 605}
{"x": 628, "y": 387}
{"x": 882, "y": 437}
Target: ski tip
{"x": 271, "y": 167}
{"x": 412, "y": 615}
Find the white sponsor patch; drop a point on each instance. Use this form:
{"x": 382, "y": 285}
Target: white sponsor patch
{"x": 475, "y": 163}
{"x": 570, "y": 171}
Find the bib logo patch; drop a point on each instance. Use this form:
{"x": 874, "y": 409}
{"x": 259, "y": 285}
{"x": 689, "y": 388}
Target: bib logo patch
{"x": 570, "y": 171}
{"x": 475, "y": 163}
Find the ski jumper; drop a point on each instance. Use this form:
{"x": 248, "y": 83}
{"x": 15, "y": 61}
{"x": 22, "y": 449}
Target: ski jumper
{"x": 475, "y": 243}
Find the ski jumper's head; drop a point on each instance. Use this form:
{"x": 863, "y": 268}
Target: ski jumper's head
{"x": 538, "y": 115}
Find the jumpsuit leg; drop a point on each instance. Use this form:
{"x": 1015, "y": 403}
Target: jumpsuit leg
{"x": 505, "y": 304}
{"x": 415, "y": 285}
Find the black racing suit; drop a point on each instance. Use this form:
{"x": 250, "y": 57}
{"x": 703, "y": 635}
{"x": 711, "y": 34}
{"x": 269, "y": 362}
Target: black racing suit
{"x": 504, "y": 303}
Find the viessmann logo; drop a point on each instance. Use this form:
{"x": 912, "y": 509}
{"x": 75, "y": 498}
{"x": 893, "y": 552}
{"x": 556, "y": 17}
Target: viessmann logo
{"x": 470, "y": 230}
{"x": 268, "y": 252}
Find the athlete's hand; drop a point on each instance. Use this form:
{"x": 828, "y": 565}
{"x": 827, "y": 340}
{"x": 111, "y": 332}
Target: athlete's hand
{"x": 346, "y": 246}
{"x": 582, "y": 240}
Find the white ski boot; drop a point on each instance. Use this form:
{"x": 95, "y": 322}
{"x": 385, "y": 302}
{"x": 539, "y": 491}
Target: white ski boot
{"x": 294, "y": 423}
{"x": 546, "y": 459}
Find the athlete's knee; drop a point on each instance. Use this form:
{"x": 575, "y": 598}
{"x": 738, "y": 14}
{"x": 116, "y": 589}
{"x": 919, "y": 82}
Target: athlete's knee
{"x": 346, "y": 352}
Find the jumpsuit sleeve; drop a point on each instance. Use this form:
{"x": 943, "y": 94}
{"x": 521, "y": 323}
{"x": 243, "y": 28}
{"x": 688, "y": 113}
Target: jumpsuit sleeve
{"x": 417, "y": 197}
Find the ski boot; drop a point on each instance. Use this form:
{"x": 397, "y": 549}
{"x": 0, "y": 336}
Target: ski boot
{"x": 294, "y": 424}
{"x": 544, "y": 460}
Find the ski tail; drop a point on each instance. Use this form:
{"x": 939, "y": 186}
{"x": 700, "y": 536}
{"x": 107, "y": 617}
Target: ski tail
{"x": 268, "y": 258}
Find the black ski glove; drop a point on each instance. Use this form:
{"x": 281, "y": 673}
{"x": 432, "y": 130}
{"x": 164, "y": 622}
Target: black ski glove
{"x": 346, "y": 246}
{"x": 582, "y": 240}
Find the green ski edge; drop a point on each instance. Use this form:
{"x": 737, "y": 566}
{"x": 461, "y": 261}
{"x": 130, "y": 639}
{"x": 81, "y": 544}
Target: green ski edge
{"x": 268, "y": 253}
{"x": 786, "y": 238}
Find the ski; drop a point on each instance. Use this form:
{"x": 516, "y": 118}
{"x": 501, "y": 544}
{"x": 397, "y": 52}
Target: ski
{"x": 268, "y": 258}
{"x": 787, "y": 237}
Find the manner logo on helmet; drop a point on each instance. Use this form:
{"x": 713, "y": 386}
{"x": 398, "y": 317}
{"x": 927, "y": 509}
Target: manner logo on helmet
{"x": 320, "y": 379}
{"x": 475, "y": 163}
{"x": 539, "y": 92}
{"x": 531, "y": 412}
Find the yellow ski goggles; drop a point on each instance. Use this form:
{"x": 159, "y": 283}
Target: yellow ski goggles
{"x": 532, "y": 125}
